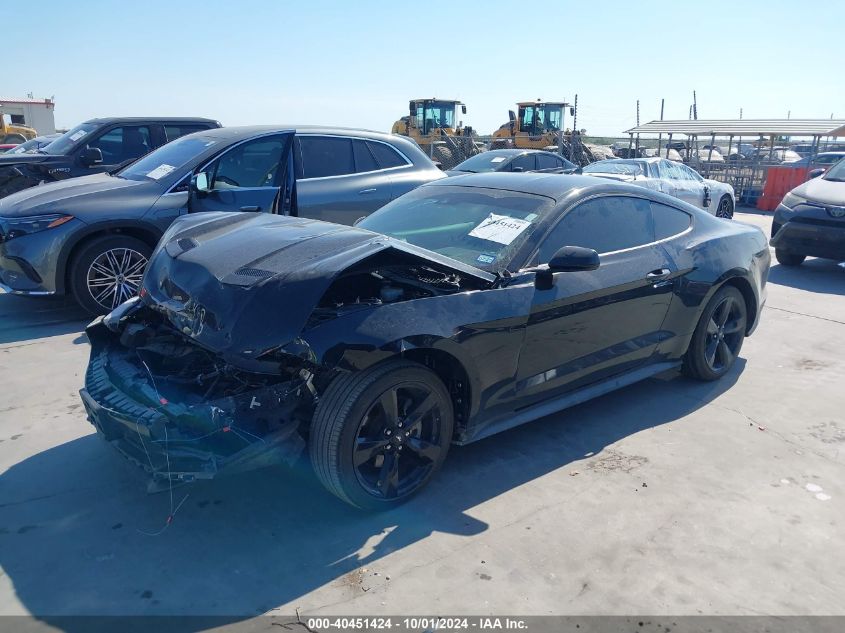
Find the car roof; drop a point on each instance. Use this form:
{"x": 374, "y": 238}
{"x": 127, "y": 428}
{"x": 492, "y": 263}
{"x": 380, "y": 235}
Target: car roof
{"x": 511, "y": 152}
{"x": 152, "y": 119}
{"x": 246, "y": 131}
{"x": 633, "y": 159}
{"x": 559, "y": 187}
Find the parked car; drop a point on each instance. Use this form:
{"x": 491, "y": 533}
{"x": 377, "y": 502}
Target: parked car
{"x": 96, "y": 146}
{"x": 669, "y": 154}
{"x": 535, "y": 160}
{"x": 672, "y": 178}
{"x": 91, "y": 237}
{"x": 822, "y": 161}
{"x": 774, "y": 156}
{"x": 435, "y": 320}
{"x": 704, "y": 155}
{"x": 811, "y": 219}
{"x": 34, "y": 144}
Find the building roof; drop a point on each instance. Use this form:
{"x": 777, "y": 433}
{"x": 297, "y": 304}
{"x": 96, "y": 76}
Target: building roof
{"x": 744, "y": 127}
{"x": 34, "y": 101}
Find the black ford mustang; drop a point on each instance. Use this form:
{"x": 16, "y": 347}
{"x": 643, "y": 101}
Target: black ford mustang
{"x": 461, "y": 309}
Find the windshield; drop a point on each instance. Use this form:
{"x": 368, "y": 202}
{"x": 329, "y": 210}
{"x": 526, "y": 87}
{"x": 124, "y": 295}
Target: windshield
{"x": 837, "y": 172}
{"x": 435, "y": 114}
{"x": 168, "y": 158}
{"x": 626, "y": 167}
{"x": 485, "y": 161}
{"x": 24, "y": 148}
{"x": 70, "y": 138}
{"x": 480, "y": 227}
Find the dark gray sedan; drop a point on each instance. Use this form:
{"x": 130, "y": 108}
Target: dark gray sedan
{"x": 92, "y": 236}
{"x": 534, "y": 160}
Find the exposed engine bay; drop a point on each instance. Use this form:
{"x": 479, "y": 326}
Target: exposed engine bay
{"x": 374, "y": 283}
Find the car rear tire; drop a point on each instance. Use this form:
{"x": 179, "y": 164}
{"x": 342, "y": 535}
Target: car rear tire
{"x": 788, "y": 259}
{"x": 718, "y": 337}
{"x": 107, "y": 271}
{"x": 725, "y": 208}
{"x": 378, "y": 436}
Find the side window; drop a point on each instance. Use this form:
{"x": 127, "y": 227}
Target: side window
{"x": 526, "y": 162}
{"x": 605, "y": 224}
{"x": 364, "y": 160}
{"x": 250, "y": 164}
{"x": 123, "y": 143}
{"x": 690, "y": 174}
{"x": 172, "y": 132}
{"x": 670, "y": 169}
{"x": 668, "y": 221}
{"x": 548, "y": 161}
{"x": 326, "y": 156}
{"x": 386, "y": 156}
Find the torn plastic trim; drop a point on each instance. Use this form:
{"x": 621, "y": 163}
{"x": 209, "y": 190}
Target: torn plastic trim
{"x": 182, "y": 441}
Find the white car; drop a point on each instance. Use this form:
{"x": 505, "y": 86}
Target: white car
{"x": 672, "y": 178}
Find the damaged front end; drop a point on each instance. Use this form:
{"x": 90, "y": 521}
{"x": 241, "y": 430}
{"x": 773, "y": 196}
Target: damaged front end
{"x": 181, "y": 412}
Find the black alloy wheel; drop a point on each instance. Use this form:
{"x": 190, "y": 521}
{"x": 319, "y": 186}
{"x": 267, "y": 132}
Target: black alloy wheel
{"x": 379, "y": 435}
{"x": 718, "y": 337}
{"x": 725, "y": 208}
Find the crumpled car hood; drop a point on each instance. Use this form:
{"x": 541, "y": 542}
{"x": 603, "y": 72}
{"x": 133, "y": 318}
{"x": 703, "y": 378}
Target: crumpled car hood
{"x": 243, "y": 283}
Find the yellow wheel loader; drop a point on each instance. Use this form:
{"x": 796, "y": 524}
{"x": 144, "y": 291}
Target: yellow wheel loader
{"x": 14, "y": 133}
{"x": 434, "y": 125}
{"x": 536, "y": 125}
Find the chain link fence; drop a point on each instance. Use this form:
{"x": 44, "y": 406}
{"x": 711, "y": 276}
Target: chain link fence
{"x": 742, "y": 163}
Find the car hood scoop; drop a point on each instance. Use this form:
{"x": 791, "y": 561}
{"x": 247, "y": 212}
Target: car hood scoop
{"x": 242, "y": 283}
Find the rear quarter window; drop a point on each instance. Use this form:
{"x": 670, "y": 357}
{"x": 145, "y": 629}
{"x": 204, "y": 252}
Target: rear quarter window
{"x": 668, "y": 221}
{"x": 385, "y": 155}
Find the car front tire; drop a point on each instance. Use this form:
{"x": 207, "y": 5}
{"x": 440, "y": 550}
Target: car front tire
{"x": 725, "y": 208}
{"x": 107, "y": 271}
{"x": 378, "y": 436}
{"x": 788, "y": 259}
{"x": 718, "y": 337}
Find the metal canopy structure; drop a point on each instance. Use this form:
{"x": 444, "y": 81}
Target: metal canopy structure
{"x": 744, "y": 127}
{"x": 747, "y": 174}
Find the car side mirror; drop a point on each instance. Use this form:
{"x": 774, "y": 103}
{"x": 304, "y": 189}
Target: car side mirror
{"x": 511, "y": 116}
{"x": 412, "y": 108}
{"x": 91, "y": 156}
{"x": 815, "y": 173}
{"x": 463, "y": 109}
{"x": 567, "y": 259}
{"x": 199, "y": 183}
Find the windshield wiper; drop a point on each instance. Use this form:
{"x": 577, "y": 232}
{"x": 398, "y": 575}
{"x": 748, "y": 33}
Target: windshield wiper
{"x": 835, "y": 179}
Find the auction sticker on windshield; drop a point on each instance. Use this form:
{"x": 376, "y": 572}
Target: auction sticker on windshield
{"x": 500, "y": 228}
{"x": 160, "y": 172}
{"x": 78, "y": 135}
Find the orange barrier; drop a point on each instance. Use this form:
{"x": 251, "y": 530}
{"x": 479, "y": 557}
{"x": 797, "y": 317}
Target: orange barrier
{"x": 779, "y": 181}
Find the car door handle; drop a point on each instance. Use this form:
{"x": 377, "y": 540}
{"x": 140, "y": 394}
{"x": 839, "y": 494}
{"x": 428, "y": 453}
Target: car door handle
{"x": 251, "y": 208}
{"x": 659, "y": 273}
{"x": 373, "y": 190}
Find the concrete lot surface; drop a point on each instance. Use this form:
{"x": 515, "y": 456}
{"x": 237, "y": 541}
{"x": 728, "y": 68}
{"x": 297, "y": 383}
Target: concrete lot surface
{"x": 669, "y": 497}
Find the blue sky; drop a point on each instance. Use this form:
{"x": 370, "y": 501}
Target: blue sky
{"x": 358, "y": 63}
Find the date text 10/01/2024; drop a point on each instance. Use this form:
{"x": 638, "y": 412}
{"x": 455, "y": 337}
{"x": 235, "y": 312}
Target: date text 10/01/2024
{"x": 417, "y": 623}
